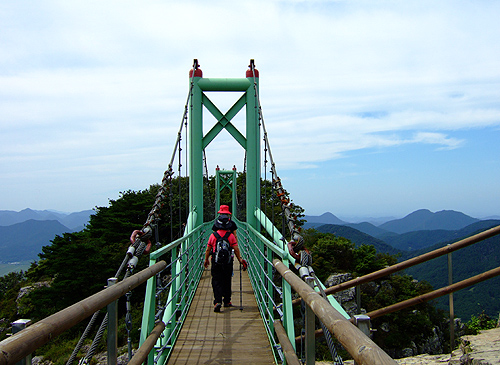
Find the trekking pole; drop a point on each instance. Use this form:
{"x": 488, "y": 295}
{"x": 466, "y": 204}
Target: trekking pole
{"x": 241, "y": 292}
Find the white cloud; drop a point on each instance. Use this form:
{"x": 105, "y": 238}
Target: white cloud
{"x": 103, "y": 84}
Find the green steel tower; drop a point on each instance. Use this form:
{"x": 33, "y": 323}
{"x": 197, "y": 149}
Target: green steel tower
{"x": 198, "y": 141}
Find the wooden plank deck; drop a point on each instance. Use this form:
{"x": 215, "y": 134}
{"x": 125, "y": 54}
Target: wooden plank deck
{"x": 232, "y": 336}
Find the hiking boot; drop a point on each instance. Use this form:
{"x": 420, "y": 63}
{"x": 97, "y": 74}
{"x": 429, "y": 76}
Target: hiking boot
{"x": 228, "y": 304}
{"x": 217, "y": 308}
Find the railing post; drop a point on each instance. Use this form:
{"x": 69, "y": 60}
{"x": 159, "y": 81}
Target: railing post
{"x": 362, "y": 321}
{"x": 287, "y": 305}
{"x": 452, "y": 314}
{"x": 358, "y": 299}
{"x": 17, "y": 326}
{"x": 310, "y": 328}
{"x": 112, "y": 327}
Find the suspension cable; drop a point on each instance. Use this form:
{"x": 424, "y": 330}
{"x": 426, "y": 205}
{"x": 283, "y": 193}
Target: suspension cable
{"x": 290, "y": 220}
{"x": 140, "y": 238}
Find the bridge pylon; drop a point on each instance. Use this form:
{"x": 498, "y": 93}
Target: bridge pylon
{"x": 197, "y": 141}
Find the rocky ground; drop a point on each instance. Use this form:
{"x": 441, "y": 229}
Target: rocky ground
{"x": 482, "y": 349}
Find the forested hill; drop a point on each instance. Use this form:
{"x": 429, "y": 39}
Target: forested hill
{"x": 467, "y": 262}
{"x": 24, "y": 241}
{"x": 74, "y": 221}
{"x": 424, "y": 219}
{"x": 421, "y": 240}
{"x": 358, "y": 237}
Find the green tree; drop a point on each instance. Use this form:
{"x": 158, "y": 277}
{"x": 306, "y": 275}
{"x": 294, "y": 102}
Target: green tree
{"x": 479, "y": 323}
{"x": 9, "y": 288}
{"x": 332, "y": 254}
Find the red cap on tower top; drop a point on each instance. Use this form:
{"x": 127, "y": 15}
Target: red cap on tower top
{"x": 197, "y": 70}
{"x": 249, "y": 71}
{"x": 197, "y": 73}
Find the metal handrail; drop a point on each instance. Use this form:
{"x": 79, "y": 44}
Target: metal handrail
{"x": 186, "y": 270}
{"x": 413, "y": 261}
{"x": 23, "y": 343}
{"x": 274, "y": 301}
{"x": 142, "y": 352}
{"x": 286, "y": 345}
{"x": 360, "y": 347}
{"x": 435, "y": 294}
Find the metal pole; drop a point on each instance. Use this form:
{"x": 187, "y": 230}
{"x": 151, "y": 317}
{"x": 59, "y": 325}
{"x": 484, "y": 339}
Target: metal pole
{"x": 452, "y": 315}
{"x": 362, "y": 349}
{"x": 310, "y": 327}
{"x": 17, "y": 326}
{"x": 112, "y": 354}
{"x": 253, "y": 150}
{"x": 25, "y": 342}
{"x": 241, "y": 291}
{"x": 195, "y": 150}
{"x": 358, "y": 299}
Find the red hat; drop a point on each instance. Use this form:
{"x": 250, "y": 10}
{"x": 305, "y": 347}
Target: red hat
{"x": 224, "y": 209}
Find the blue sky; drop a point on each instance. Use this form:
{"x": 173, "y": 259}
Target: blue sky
{"x": 373, "y": 108}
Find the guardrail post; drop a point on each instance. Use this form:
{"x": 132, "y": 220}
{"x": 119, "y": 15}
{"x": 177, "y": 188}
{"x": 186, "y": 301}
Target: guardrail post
{"x": 362, "y": 321}
{"x": 358, "y": 299}
{"x": 17, "y": 326}
{"x": 112, "y": 327}
{"x": 450, "y": 299}
{"x": 310, "y": 328}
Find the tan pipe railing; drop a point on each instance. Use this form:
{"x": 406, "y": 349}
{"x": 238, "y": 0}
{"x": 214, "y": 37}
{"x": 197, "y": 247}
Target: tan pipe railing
{"x": 23, "y": 343}
{"x": 419, "y": 259}
{"x": 435, "y": 294}
{"x": 421, "y": 298}
{"x": 286, "y": 345}
{"x": 142, "y": 353}
{"x": 363, "y": 350}
{"x": 412, "y": 262}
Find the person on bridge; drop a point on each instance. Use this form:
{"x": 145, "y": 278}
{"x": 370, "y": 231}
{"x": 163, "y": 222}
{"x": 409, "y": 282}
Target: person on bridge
{"x": 222, "y": 273}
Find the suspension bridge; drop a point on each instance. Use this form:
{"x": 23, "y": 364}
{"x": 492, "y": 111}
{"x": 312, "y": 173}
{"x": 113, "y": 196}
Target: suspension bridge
{"x": 179, "y": 325}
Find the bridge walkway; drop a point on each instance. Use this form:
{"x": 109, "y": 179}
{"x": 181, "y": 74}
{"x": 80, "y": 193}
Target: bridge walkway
{"x": 232, "y": 336}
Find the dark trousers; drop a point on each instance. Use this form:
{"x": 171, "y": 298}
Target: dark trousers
{"x": 221, "y": 282}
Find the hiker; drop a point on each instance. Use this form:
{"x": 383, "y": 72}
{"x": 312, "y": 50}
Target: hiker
{"x": 220, "y": 245}
{"x": 224, "y": 221}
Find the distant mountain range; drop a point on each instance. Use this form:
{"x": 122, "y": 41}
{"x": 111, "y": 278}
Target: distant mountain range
{"x": 419, "y": 220}
{"x": 24, "y": 233}
{"x": 24, "y": 241}
{"x": 424, "y": 231}
{"x": 74, "y": 221}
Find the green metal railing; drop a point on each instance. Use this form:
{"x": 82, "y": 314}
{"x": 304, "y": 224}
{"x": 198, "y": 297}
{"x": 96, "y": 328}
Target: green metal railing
{"x": 169, "y": 303}
{"x": 273, "y": 294}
